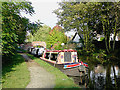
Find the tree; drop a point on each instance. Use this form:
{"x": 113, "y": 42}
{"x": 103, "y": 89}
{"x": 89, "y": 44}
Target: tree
{"x": 56, "y": 37}
{"x": 22, "y": 28}
{"x": 34, "y": 26}
{"x": 109, "y": 18}
{"x": 87, "y": 17}
{"x": 0, "y": 29}
{"x": 13, "y": 24}
{"x": 29, "y": 38}
{"x": 77, "y": 16}
{"x": 42, "y": 34}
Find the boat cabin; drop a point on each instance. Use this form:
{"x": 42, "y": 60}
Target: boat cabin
{"x": 60, "y": 56}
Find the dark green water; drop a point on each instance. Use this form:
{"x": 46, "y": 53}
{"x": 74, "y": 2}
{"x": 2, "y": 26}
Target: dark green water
{"x": 100, "y": 77}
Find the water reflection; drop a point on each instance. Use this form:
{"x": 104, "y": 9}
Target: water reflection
{"x": 104, "y": 77}
{"x": 100, "y": 77}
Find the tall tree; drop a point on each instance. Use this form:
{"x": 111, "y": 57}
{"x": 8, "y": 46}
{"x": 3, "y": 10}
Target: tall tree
{"x": 22, "y": 28}
{"x": 56, "y": 37}
{"x": 0, "y": 29}
{"x": 87, "y": 17}
{"x": 13, "y": 24}
{"x": 77, "y": 16}
{"x": 42, "y": 34}
{"x": 29, "y": 38}
{"x": 109, "y": 16}
{"x": 34, "y": 26}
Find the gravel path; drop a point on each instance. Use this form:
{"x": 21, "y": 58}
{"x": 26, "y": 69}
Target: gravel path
{"x": 40, "y": 78}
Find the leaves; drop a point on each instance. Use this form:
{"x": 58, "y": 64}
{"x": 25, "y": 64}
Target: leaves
{"x": 77, "y": 16}
{"x": 87, "y": 17}
{"x": 42, "y": 34}
{"x": 14, "y": 26}
{"x": 55, "y": 38}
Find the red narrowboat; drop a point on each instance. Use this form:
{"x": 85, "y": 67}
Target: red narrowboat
{"x": 66, "y": 60}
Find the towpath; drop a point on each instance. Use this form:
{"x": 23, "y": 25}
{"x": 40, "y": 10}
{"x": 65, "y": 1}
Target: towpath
{"x": 39, "y": 77}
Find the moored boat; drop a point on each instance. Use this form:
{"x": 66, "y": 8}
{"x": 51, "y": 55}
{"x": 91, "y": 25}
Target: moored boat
{"x": 60, "y": 56}
{"x": 66, "y": 60}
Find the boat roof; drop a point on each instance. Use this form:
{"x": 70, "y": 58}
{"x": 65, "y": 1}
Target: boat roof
{"x": 70, "y": 50}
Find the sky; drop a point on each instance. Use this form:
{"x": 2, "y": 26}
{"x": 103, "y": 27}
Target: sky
{"x": 44, "y": 11}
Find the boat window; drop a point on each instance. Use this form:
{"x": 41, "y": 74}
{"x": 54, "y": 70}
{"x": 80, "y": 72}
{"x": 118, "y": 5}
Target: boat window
{"x": 54, "y": 56}
{"x": 67, "y": 56}
{"x": 37, "y": 51}
{"x": 32, "y": 49}
{"x": 47, "y": 55}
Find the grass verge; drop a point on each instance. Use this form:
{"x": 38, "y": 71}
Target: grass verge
{"x": 62, "y": 81}
{"x": 16, "y": 74}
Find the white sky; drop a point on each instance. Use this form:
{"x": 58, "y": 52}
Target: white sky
{"x": 43, "y": 11}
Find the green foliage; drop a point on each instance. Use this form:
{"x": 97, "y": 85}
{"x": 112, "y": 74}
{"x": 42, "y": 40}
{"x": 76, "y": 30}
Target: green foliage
{"x": 22, "y": 27}
{"x": 34, "y": 26}
{"x": 77, "y": 16}
{"x": 29, "y": 38}
{"x": 110, "y": 18}
{"x": 39, "y": 46}
{"x": 70, "y": 46}
{"x": 119, "y": 34}
{"x": 42, "y": 34}
{"x": 56, "y": 38}
{"x": 87, "y": 17}
{"x": 0, "y": 28}
{"x": 100, "y": 56}
{"x": 102, "y": 38}
{"x": 14, "y": 26}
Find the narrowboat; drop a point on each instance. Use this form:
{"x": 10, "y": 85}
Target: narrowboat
{"x": 40, "y": 51}
{"x": 66, "y": 60}
{"x": 60, "y": 56}
{"x": 30, "y": 49}
{"x": 36, "y": 51}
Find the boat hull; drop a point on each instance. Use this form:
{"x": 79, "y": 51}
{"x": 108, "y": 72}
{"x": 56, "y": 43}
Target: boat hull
{"x": 70, "y": 69}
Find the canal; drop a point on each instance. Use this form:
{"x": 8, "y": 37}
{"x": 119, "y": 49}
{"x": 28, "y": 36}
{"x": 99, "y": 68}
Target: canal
{"x": 100, "y": 77}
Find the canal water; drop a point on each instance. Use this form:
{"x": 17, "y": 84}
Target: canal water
{"x": 100, "y": 77}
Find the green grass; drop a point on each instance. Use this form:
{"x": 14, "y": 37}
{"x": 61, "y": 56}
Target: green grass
{"x": 0, "y": 83}
{"x": 61, "y": 80}
{"x": 16, "y": 74}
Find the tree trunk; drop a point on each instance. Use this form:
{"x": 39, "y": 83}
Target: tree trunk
{"x": 106, "y": 44}
{"x": 109, "y": 35}
{"x": 115, "y": 77}
{"x": 108, "y": 78}
{"x": 114, "y": 34}
{"x": 106, "y": 41}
